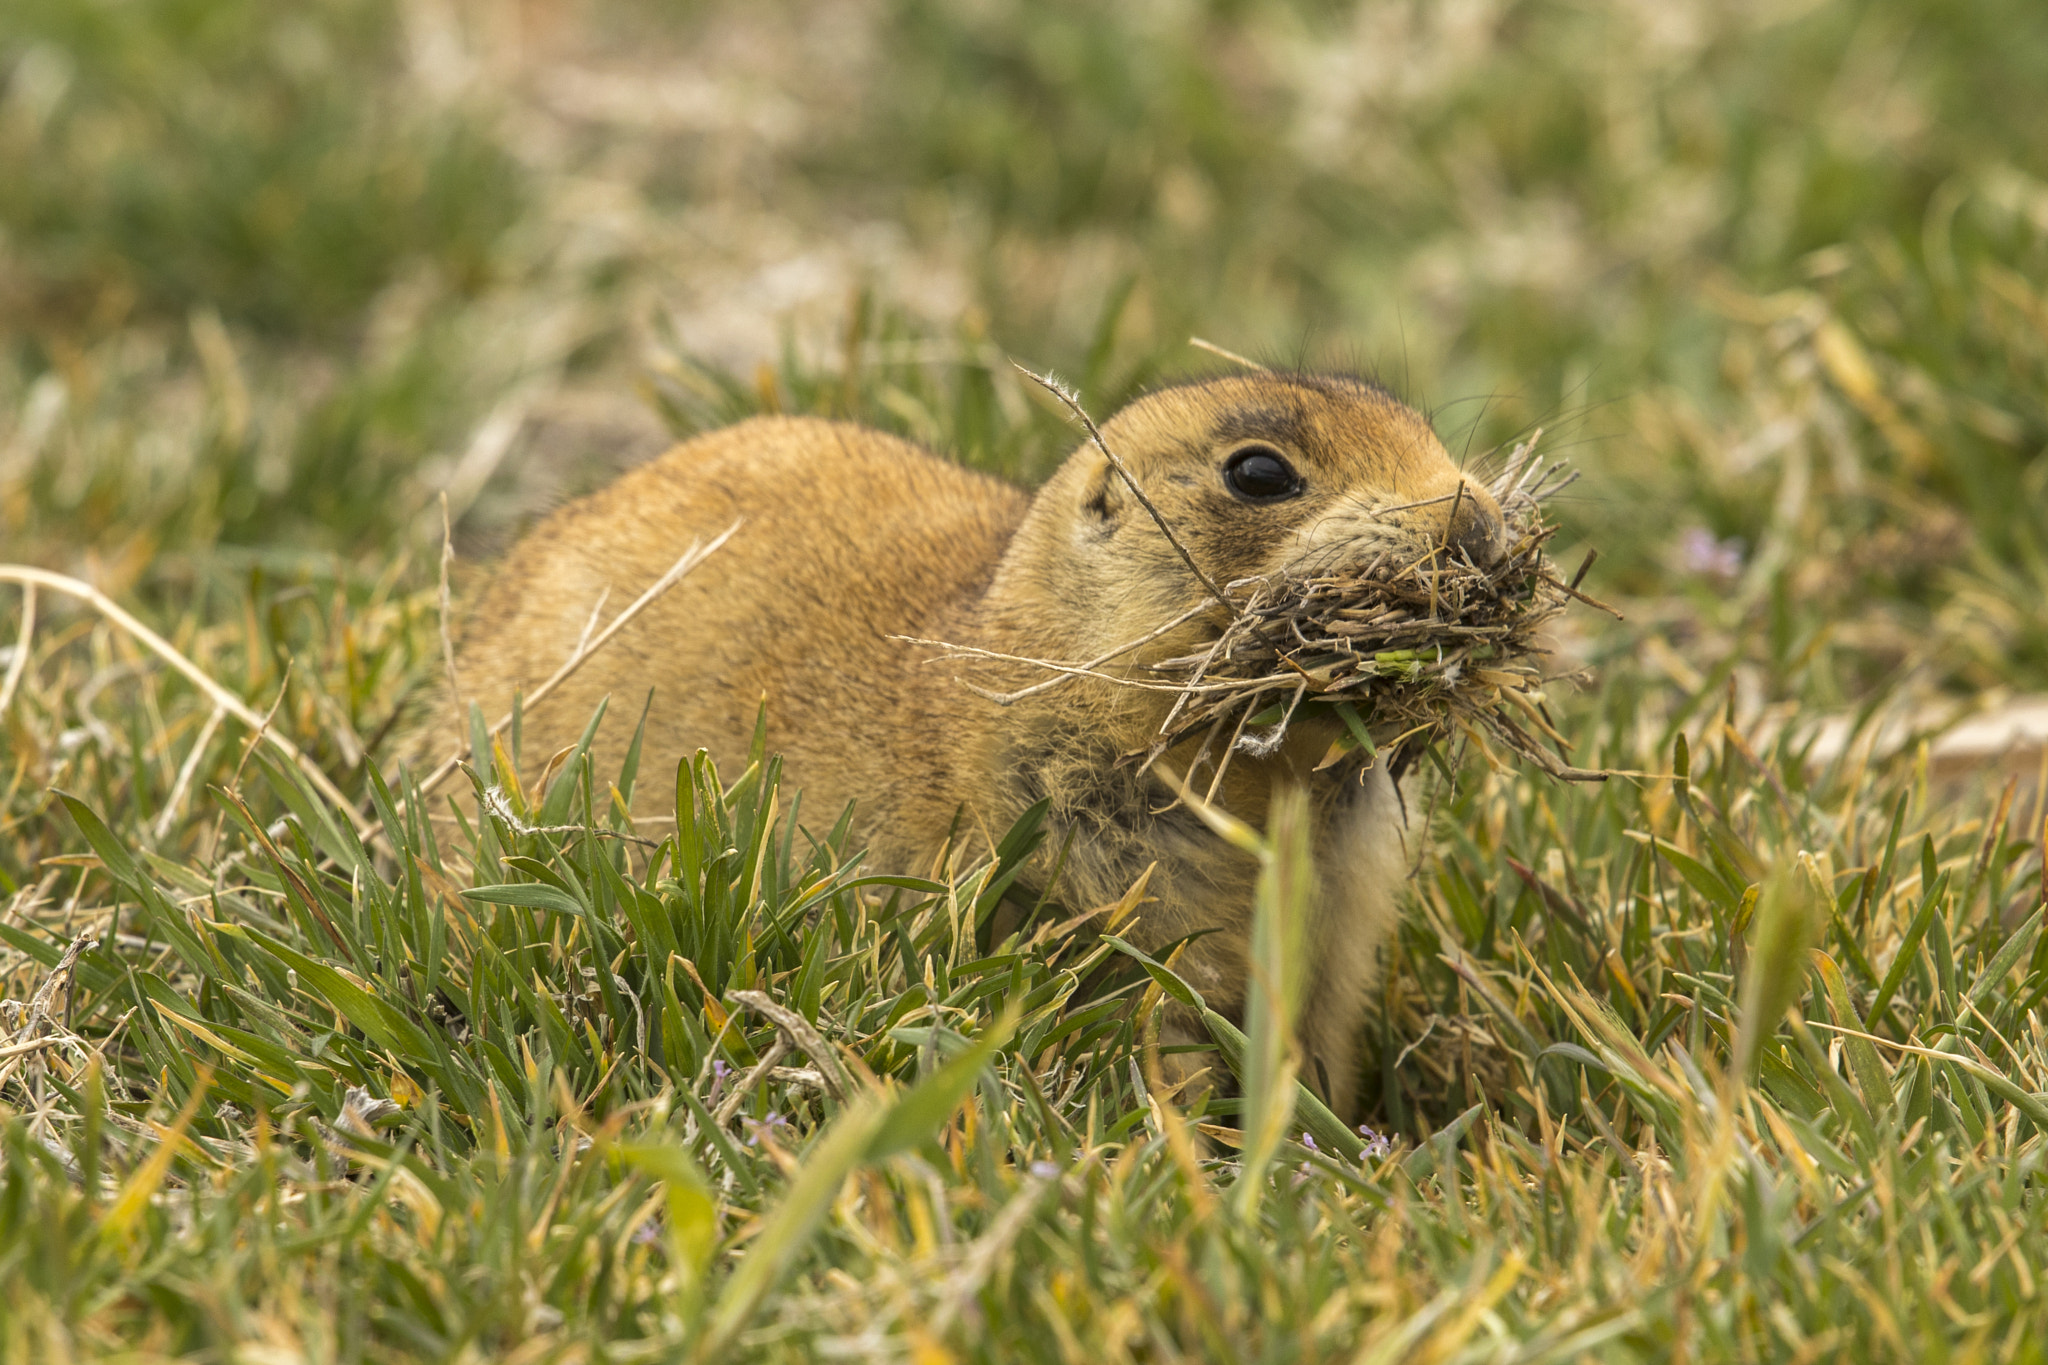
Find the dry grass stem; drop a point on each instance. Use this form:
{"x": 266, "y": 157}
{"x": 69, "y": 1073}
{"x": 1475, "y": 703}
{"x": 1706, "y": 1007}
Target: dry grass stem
{"x": 35, "y": 1025}
{"x": 493, "y": 440}
{"x": 832, "y": 1072}
{"x": 163, "y": 649}
{"x": 596, "y": 614}
{"x": 496, "y": 803}
{"x": 186, "y": 771}
{"x": 744, "y": 1087}
{"x": 1073, "y": 404}
{"x": 957, "y": 651}
{"x": 1065, "y": 672}
{"x": 1202, "y": 344}
{"x": 447, "y": 615}
{"x": 691, "y": 558}
{"x": 19, "y": 663}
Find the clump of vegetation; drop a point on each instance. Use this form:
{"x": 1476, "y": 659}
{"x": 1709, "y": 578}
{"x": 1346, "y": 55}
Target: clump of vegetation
{"x": 1406, "y": 651}
{"x": 1736, "y": 1055}
{"x": 710, "y": 1088}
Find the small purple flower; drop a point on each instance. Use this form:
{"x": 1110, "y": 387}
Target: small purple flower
{"x": 757, "y": 1127}
{"x": 719, "y": 1071}
{"x": 1700, "y": 553}
{"x": 648, "y": 1233}
{"x": 1044, "y": 1170}
{"x": 1308, "y": 1140}
{"x": 1377, "y": 1145}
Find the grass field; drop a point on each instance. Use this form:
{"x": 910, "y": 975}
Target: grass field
{"x": 1739, "y": 1058}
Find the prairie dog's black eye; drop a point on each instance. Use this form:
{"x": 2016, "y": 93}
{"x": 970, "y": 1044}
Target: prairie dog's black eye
{"x": 1260, "y": 474}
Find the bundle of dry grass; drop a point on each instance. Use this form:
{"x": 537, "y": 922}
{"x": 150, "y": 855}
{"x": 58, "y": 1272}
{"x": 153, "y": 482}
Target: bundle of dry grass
{"x": 1404, "y": 650}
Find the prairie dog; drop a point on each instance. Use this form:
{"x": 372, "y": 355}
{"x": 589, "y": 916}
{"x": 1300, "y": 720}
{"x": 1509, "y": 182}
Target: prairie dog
{"x": 851, "y": 537}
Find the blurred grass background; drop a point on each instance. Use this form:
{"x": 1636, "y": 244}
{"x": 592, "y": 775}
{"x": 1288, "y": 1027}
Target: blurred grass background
{"x": 275, "y": 277}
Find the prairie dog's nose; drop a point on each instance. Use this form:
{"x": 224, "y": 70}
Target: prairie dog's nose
{"x": 1475, "y": 528}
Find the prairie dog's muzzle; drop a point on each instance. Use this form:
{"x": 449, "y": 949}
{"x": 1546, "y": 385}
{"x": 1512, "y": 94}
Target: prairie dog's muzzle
{"x": 1473, "y": 526}
{"x": 1465, "y": 521}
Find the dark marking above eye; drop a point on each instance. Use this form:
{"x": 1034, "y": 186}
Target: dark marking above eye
{"x": 1260, "y": 474}
{"x": 1281, "y": 426}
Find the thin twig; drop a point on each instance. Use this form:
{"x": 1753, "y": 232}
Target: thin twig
{"x": 163, "y": 649}
{"x": 495, "y": 802}
{"x": 1592, "y": 553}
{"x": 234, "y": 783}
{"x": 1425, "y": 502}
{"x": 1194, "y": 680}
{"x": 487, "y": 448}
{"x": 596, "y": 613}
{"x": 1232, "y": 356}
{"x": 32, "y": 1045}
{"x": 447, "y": 640}
{"x": 1067, "y": 396}
{"x": 262, "y": 730}
{"x": 38, "y": 1012}
{"x": 798, "y": 1030}
{"x": 1074, "y": 670}
{"x": 1593, "y": 602}
{"x": 1515, "y": 470}
{"x": 1079, "y": 670}
{"x": 1451, "y": 521}
{"x": 691, "y": 558}
{"x": 38, "y": 1030}
{"x": 744, "y": 1086}
{"x": 186, "y": 771}
{"x": 1244, "y": 714}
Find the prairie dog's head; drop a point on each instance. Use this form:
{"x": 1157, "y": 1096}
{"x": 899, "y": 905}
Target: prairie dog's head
{"x": 1257, "y": 474}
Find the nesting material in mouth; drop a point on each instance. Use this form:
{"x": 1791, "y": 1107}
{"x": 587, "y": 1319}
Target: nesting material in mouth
{"x": 1405, "y": 649}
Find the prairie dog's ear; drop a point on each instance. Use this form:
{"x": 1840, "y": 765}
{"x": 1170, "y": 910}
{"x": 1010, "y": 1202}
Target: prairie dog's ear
{"x": 1105, "y": 494}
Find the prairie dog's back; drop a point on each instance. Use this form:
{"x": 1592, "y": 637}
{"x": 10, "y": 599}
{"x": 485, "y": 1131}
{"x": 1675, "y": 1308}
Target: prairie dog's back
{"x": 848, "y": 536}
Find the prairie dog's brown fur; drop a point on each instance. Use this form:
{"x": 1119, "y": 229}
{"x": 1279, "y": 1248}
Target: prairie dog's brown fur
{"x": 851, "y": 536}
